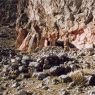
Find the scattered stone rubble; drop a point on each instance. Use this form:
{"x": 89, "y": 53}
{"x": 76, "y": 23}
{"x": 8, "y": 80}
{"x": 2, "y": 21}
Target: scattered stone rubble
{"x": 72, "y": 72}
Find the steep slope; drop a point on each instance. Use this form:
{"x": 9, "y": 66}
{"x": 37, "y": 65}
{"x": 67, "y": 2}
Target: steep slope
{"x": 8, "y": 12}
{"x": 8, "y": 16}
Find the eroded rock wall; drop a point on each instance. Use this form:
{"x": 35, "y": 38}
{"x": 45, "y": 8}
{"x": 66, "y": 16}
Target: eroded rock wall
{"x": 75, "y": 17}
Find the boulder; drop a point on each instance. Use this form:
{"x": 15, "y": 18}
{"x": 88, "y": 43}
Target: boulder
{"x": 65, "y": 78}
{"x": 56, "y": 71}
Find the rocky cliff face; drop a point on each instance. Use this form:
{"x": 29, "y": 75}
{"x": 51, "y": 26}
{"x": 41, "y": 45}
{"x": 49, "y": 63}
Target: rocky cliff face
{"x": 51, "y": 70}
{"x": 75, "y": 17}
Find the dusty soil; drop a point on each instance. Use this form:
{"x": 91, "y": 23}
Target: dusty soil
{"x": 7, "y": 37}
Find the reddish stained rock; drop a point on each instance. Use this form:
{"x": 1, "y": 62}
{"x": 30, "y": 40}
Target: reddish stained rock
{"x": 25, "y": 44}
{"x": 85, "y": 40}
{"x": 59, "y": 16}
{"x": 22, "y": 33}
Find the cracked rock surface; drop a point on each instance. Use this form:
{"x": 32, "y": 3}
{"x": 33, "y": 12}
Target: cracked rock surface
{"x": 76, "y": 17}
